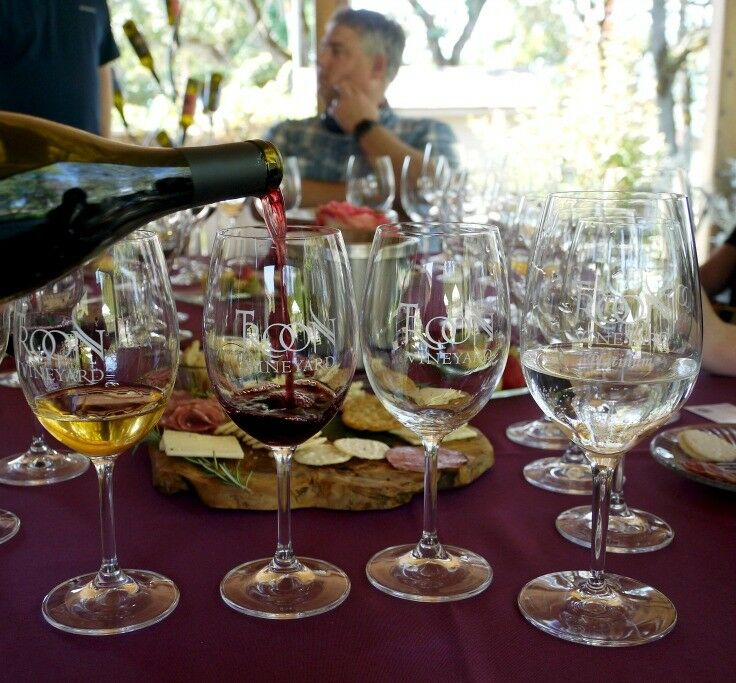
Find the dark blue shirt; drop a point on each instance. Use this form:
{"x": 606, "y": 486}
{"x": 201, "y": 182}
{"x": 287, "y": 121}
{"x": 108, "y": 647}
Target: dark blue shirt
{"x": 50, "y": 53}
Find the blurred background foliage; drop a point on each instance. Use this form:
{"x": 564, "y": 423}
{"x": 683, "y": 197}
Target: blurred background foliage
{"x": 620, "y": 82}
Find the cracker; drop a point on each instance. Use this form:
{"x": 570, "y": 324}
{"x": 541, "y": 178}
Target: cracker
{"x": 393, "y": 381}
{"x": 437, "y": 396}
{"x": 321, "y": 454}
{"x": 368, "y": 449}
{"x": 366, "y": 413}
{"x": 706, "y": 446}
{"x": 193, "y": 356}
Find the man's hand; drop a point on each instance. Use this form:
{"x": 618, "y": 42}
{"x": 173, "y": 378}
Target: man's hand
{"x": 351, "y": 106}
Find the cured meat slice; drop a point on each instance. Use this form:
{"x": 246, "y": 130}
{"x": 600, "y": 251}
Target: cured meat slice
{"x": 199, "y": 415}
{"x": 411, "y": 458}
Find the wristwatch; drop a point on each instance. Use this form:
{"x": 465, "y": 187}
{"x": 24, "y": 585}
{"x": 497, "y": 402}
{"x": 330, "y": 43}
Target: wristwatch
{"x": 362, "y": 127}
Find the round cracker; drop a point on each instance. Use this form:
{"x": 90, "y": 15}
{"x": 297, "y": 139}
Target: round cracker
{"x": 322, "y": 454}
{"x": 439, "y": 396}
{"x": 706, "y": 446}
{"x": 368, "y": 449}
{"x": 366, "y": 413}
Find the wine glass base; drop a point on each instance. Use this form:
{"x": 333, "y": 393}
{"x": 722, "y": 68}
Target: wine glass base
{"x": 635, "y": 532}
{"x": 78, "y": 606}
{"x": 9, "y": 380}
{"x": 398, "y": 572}
{"x": 554, "y": 474}
{"x": 539, "y": 433}
{"x": 626, "y": 612}
{"x": 39, "y": 468}
{"x": 257, "y": 589}
{"x": 9, "y": 525}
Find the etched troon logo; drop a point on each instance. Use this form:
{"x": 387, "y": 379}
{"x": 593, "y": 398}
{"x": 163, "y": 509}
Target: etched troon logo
{"x": 62, "y": 357}
{"x": 303, "y": 346}
{"x": 445, "y": 339}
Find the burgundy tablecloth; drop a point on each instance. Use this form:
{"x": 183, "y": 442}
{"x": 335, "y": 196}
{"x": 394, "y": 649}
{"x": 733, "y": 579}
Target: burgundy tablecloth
{"x": 371, "y": 636}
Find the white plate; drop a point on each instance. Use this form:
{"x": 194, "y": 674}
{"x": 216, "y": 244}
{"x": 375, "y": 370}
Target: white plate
{"x": 666, "y": 451}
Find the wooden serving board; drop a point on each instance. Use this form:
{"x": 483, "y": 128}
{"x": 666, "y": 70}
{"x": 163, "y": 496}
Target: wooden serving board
{"x": 355, "y": 485}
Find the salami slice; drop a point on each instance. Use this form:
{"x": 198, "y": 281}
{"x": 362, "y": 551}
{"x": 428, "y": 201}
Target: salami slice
{"x": 711, "y": 470}
{"x": 199, "y": 415}
{"x": 411, "y": 458}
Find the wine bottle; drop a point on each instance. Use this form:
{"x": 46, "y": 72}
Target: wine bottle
{"x": 118, "y": 100}
{"x": 189, "y": 106}
{"x": 213, "y": 93}
{"x": 141, "y": 47}
{"x": 173, "y": 13}
{"x": 163, "y": 139}
{"x": 65, "y": 195}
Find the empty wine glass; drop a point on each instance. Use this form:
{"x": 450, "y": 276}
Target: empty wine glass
{"x": 41, "y": 464}
{"x": 422, "y": 183}
{"x": 176, "y": 232}
{"x": 611, "y": 345}
{"x": 9, "y": 523}
{"x": 630, "y": 530}
{"x": 541, "y": 432}
{"x": 281, "y": 358}
{"x": 370, "y": 182}
{"x": 435, "y": 334}
{"x": 97, "y": 370}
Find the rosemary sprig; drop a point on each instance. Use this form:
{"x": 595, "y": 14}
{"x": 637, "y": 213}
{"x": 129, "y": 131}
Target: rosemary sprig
{"x": 221, "y": 471}
{"x": 153, "y": 437}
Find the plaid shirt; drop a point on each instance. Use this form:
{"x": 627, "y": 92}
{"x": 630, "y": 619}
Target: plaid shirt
{"x": 323, "y": 155}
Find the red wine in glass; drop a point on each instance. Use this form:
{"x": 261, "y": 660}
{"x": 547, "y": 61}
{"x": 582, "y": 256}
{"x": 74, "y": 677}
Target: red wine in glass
{"x": 281, "y": 362}
{"x": 274, "y": 214}
{"x": 273, "y": 417}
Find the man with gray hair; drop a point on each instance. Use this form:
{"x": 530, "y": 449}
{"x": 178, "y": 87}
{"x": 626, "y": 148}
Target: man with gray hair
{"x": 357, "y": 59}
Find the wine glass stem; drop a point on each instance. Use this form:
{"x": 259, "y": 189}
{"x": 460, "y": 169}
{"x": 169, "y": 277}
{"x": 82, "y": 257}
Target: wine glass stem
{"x": 109, "y": 573}
{"x": 284, "y": 556}
{"x": 602, "y": 478}
{"x": 618, "y": 504}
{"x": 429, "y": 545}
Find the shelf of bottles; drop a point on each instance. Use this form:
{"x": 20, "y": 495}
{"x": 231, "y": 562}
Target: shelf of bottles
{"x": 206, "y": 90}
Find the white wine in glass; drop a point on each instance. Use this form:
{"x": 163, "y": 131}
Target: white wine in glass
{"x": 97, "y": 369}
{"x": 611, "y": 343}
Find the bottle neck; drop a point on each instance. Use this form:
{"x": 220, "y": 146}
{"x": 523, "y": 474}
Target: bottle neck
{"x": 29, "y": 143}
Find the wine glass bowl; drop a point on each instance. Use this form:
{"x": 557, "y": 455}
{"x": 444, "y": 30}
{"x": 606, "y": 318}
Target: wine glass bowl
{"x": 521, "y": 225}
{"x": 280, "y": 359}
{"x": 291, "y": 184}
{"x": 370, "y": 182}
{"x": 435, "y": 336}
{"x": 422, "y": 184}
{"x": 611, "y": 344}
{"x": 97, "y": 370}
